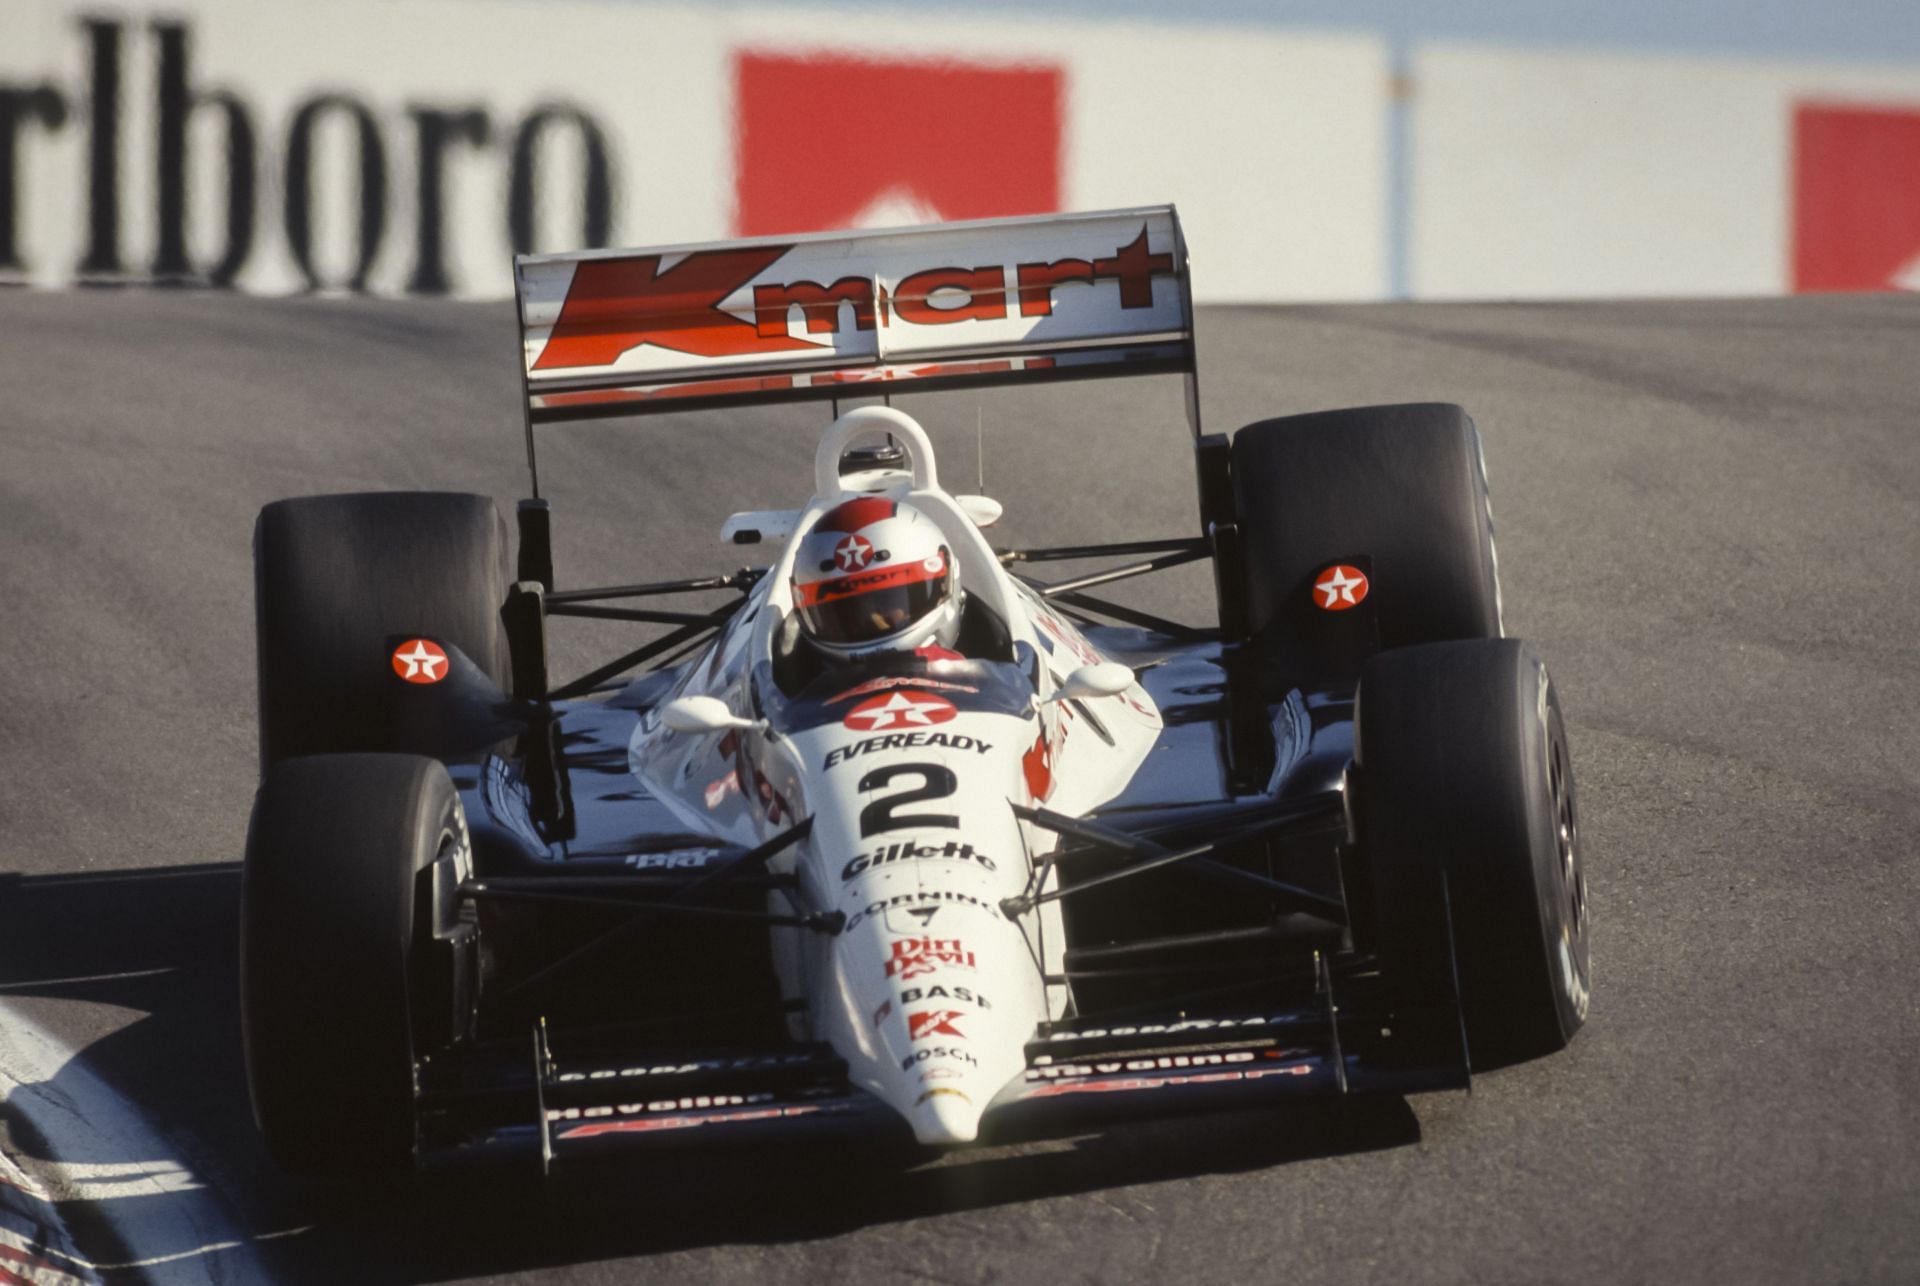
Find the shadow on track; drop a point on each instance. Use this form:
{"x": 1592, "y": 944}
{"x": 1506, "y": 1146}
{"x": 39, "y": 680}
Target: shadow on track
{"x": 164, "y": 943}
{"x": 483, "y": 1223}
{"x": 161, "y": 942}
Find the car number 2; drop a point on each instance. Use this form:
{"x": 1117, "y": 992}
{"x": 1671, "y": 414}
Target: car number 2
{"x": 936, "y": 782}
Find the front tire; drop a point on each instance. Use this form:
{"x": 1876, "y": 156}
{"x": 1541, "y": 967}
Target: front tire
{"x": 1402, "y": 488}
{"x": 354, "y": 959}
{"x": 1465, "y": 803}
{"x": 340, "y": 581}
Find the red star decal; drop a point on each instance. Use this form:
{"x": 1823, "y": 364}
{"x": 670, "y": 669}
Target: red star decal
{"x": 853, "y": 553}
{"x": 420, "y": 661}
{"x": 906, "y": 709}
{"x": 1340, "y": 587}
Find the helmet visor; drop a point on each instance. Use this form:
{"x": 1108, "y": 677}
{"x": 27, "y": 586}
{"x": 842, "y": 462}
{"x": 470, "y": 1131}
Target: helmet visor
{"x": 859, "y": 609}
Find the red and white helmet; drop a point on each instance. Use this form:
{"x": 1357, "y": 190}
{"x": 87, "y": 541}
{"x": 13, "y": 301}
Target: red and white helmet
{"x": 874, "y": 575}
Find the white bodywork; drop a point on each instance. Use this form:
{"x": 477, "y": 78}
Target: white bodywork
{"x": 931, "y": 990}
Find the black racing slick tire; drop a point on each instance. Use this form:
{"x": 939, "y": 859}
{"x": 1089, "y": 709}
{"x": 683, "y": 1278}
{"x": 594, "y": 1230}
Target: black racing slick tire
{"x": 1469, "y": 837}
{"x": 1398, "y": 490}
{"x": 355, "y": 958}
{"x": 340, "y": 582}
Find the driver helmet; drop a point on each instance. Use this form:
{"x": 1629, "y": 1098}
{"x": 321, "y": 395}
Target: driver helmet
{"x": 875, "y": 575}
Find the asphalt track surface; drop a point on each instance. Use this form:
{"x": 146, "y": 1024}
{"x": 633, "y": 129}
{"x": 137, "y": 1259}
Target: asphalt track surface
{"x": 1708, "y": 518}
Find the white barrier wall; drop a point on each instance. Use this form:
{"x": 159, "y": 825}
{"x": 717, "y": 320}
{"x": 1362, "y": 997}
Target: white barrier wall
{"x": 409, "y": 145}
{"x": 1551, "y": 173}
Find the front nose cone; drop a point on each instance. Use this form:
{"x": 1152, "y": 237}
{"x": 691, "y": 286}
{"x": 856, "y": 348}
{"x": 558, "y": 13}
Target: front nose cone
{"x": 946, "y": 1114}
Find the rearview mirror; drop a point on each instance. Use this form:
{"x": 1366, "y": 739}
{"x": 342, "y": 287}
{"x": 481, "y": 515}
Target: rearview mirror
{"x": 701, "y": 714}
{"x": 1107, "y": 679}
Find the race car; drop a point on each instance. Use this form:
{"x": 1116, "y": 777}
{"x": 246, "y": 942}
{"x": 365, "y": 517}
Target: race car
{"x": 904, "y": 840}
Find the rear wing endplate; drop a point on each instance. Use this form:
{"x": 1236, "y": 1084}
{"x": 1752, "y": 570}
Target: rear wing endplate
{"x": 852, "y": 314}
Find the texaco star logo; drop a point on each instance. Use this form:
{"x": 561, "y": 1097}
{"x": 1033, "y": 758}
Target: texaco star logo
{"x": 899, "y": 710}
{"x": 853, "y": 553}
{"x": 1339, "y": 588}
{"x": 419, "y": 661}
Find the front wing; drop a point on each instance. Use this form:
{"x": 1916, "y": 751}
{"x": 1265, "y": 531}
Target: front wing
{"x": 582, "y": 1100}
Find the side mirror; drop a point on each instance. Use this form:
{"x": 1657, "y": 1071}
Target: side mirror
{"x": 1107, "y": 679}
{"x": 984, "y": 510}
{"x": 701, "y": 714}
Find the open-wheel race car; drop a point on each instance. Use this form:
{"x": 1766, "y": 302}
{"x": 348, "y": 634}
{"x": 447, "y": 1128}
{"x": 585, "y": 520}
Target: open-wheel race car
{"x": 900, "y": 841}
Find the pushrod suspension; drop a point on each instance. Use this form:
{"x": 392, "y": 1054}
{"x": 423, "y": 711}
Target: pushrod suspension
{"x": 1067, "y": 553}
{"x": 645, "y": 615}
{"x": 619, "y": 665}
{"x": 481, "y": 890}
{"x": 751, "y": 859}
{"x": 743, "y": 579}
{"x": 1156, "y": 855}
{"x": 1087, "y": 603}
{"x": 1118, "y": 573}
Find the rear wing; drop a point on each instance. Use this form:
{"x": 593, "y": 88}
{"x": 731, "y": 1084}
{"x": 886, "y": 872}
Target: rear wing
{"x": 853, "y": 314}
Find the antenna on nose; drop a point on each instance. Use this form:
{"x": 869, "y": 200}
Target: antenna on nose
{"x": 980, "y": 446}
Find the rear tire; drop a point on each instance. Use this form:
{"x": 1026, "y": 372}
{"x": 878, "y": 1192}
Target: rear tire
{"x": 1465, "y": 802}
{"x": 1402, "y": 487}
{"x": 353, "y": 956}
{"x": 339, "y": 581}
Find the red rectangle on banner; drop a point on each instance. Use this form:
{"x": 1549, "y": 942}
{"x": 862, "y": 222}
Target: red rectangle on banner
{"x": 842, "y": 141}
{"x": 1856, "y": 198}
